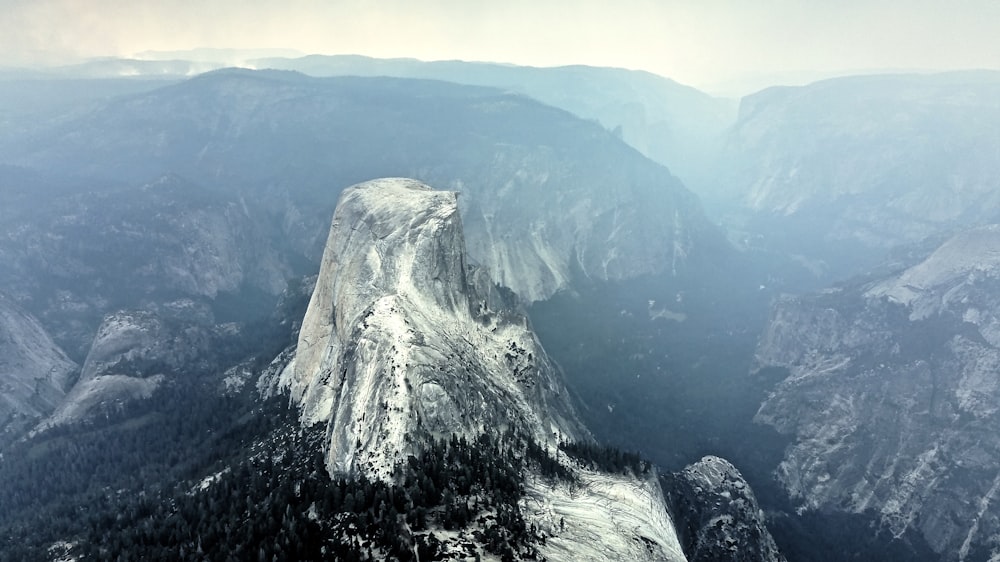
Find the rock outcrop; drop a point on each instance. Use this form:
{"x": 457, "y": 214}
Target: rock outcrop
{"x": 135, "y": 351}
{"x": 34, "y": 372}
{"x": 892, "y": 395}
{"x": 401, "y": 333}
{"x": 404, "y": 338}
{"x": 718, "y": 516}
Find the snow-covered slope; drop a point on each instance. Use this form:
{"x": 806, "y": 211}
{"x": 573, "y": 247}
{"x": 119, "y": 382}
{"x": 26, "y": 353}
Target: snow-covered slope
{"x": 403, "y": 338}
{"x": 34, "y": 372}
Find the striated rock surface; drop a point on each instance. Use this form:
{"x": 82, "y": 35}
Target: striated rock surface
{"x": 34, "y": 372}
{"x": 404, "y": 338}
{"x": 893, "y": 397}
{"x": 718, "y": 515}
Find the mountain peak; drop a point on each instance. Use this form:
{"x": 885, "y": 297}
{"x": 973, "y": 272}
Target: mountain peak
{"x": 403, "y": 338}
{"x": 404, "y": 344}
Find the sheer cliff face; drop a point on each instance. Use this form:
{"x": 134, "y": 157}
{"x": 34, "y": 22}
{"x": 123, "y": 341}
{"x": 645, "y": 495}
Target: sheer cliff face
{"x": 34, "y": 372}
{"x": 613, "y": 223}
{"x": 893, "y": 396}
{"x": 403, "y": 340}
{"x": 402, "y": 335}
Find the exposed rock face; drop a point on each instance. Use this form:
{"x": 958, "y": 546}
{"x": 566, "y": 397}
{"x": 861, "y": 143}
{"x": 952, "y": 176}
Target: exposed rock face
{"x": 34, "y": 372}
{"x": 133, "y": 353}
{"x": 603, "y": 517}
{"x": 893, "y": 396}
{"x": 604, "y": 229}
{"x": 402, "y": 338}
{"x": 867, "y": 163}
{"x": 718, "y": 516}
{"x": 402, "y": 334}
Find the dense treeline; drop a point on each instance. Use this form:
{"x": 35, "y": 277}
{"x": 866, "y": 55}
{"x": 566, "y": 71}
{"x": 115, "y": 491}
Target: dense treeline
{"x": 134, "y": 487}
{"x": 52, "y": 485}
{"x": 605, "y": 458}
{"x": 285, "y": 507}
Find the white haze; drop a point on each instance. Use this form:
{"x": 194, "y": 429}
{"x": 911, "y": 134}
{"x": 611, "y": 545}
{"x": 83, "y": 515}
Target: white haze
{"x": 720, "y": 45}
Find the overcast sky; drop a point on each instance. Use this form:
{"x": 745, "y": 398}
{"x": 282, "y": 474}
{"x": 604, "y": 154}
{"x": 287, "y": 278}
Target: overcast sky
{"x": 705, "y": 43}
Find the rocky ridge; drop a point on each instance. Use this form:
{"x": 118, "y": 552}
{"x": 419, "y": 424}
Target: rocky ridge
{"x": 891, "y": 395}
{"x": 719, "y": 518}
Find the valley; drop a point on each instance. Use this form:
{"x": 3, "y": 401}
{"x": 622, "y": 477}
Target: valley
{"x": 528, "y": 340}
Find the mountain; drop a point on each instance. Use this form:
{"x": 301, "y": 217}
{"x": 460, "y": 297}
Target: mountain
{"x": 890, "y": 395}
{"x": 34, "y": 372}
{"x": 28, "y": 97}
{"x": 673, "y": 124}
{"x": 841, "y": 170}
{"x": 427, "y": 422}
{"x": 274, "y": 143}
{"x": 400, "y": 324}
{"x": 152, "y": 234}
{"x": 404, "y": 342}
